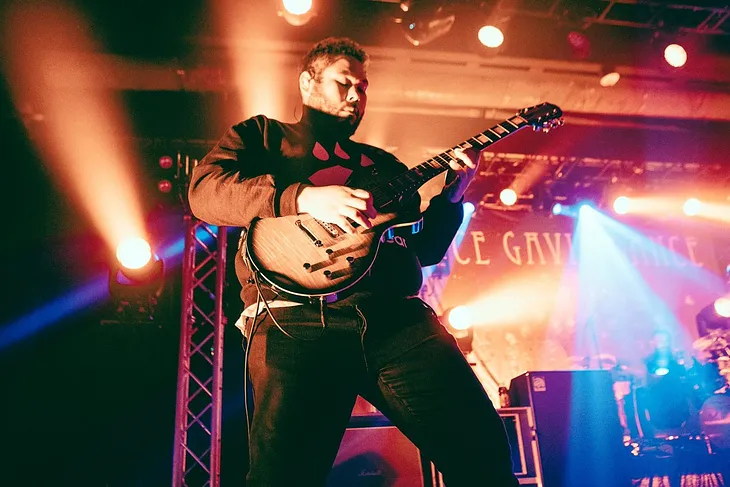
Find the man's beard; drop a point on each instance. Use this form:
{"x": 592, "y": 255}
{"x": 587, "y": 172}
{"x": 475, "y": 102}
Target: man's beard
{"x": 330, "y": 115}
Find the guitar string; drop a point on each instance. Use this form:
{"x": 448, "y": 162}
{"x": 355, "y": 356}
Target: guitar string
{"x": 381, "y": 193}
{"x": 437, "y": 164}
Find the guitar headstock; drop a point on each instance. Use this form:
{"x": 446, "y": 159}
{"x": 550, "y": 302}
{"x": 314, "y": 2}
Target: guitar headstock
{"x": 543, "y": 117}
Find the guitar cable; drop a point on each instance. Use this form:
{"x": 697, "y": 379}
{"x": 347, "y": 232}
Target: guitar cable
{"x": 261, "y": 299}
{"x": 322, "y": 309}
{"x": 248, "y": 339}
{"x": 246, "y": 344}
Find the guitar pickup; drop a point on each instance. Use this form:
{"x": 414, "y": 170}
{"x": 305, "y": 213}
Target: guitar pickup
{"x": 317, "y": 242}
{"x": 334, "y": 230}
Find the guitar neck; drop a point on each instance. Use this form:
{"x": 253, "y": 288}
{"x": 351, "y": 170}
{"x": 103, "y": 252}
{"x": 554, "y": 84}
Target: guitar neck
{"x": 407, "y": 183}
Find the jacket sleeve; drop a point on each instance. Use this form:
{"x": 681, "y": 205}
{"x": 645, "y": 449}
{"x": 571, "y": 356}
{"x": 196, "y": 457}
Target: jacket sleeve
{"x": 441, "y": 221}
{"x": 236, "y": 180}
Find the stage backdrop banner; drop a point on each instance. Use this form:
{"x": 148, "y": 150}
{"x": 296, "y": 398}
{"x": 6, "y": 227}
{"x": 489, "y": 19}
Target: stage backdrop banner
{"x": 547, "y": 294}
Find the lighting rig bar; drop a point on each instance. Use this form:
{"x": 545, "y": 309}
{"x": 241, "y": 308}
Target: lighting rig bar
{"x": 563, "y": 177}
{"x": 638, "y": 14}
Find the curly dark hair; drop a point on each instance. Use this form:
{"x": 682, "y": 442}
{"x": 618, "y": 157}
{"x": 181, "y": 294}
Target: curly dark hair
{"x": 328, "y": 50}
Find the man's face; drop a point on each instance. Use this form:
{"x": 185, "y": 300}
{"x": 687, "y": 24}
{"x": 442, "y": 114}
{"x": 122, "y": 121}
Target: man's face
{"x": 340, "y": 90}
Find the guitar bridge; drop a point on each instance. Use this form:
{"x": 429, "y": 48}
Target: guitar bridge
{"x": 317, "y": 242}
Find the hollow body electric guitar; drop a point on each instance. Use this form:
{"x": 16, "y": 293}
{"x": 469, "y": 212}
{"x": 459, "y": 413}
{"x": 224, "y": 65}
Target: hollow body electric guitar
{"x": 312, "y": 259}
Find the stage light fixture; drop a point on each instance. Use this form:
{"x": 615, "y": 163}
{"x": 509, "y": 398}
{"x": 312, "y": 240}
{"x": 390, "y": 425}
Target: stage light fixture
{"x": 134, "y": 253}
{"x": 164, "y": 184}
{"x": 492, "y": 32}
{"x": 585, "y": 207}
{"x": 459, "y": 318}
{"x": 621, "y": 205}
{"x": 459, "y": 321}
{"x": 136, "y": 280}
{"x": 722, "y": 306}
{"x": 490, "y": 36}
{"x": 609, "y": 77}
{"x": 692, "y": 206}
{"x": 296, "y": 12}
{"x": 675, "y": 55}
{"x": 714, "y": 316}
{"x": 508, "y": 196}
{"x": 660, "y": 371}
{"x": 426, "y": 22}
{"x": 572, "y": 210}
{"x": 575, "y": 17}
{"x": 580, "y": 44}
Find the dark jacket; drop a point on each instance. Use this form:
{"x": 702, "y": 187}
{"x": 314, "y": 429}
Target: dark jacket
{"x": 257, "y": 169}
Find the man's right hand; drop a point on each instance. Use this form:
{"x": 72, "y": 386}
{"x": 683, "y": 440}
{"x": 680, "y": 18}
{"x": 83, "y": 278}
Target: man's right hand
{"x": 337, "y": 204}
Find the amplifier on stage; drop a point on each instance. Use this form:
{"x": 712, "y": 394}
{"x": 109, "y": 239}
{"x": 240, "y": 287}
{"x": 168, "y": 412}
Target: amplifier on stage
{"x": 520, "y": 426}
{"x": 374, "y": 453}
{"x": 579, "y": 436}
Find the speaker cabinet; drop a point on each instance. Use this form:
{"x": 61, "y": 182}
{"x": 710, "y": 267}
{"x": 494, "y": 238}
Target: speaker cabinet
{"x": 374, "y": 453}
{"x": 579, "y": 435}
{"x": 520, "y": 427}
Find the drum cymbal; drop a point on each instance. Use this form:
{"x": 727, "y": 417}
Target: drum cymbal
{"x": 715, "y": 340}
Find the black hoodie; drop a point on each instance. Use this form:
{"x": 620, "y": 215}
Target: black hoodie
{"x": 257, "y": 169}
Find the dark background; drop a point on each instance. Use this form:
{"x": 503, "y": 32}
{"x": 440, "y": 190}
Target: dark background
{"x": 84, "y": 401}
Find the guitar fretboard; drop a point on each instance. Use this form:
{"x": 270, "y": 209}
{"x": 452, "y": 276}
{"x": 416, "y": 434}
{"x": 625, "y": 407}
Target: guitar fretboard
{"x": 407, "y": 183}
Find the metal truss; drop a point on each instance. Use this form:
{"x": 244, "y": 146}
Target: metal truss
{"x": 691, "y": 16}
{"x": 557, "y": 178}
{"x": 197, "y": 448}
{"x": 712, "y": 18}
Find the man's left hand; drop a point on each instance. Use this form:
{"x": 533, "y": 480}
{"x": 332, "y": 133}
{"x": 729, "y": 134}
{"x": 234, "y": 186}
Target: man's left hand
{"x": 459, "y": 176}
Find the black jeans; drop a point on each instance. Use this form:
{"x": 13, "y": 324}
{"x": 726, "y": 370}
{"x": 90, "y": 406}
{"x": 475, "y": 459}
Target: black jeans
{"x": 401, "y": 359}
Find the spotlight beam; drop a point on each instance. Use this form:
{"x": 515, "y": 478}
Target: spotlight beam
{"x": 53, "y": 65}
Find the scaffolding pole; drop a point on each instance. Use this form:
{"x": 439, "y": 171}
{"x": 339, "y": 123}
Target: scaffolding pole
{"x": 197, "y": 449}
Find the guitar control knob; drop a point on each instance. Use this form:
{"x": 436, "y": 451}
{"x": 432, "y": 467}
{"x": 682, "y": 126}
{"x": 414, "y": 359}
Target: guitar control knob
{"x": 327, "y": 273}
{"x": 330, "y": 252}
{"x": 350, "y": 259}
{"x": 307, "y": 266}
